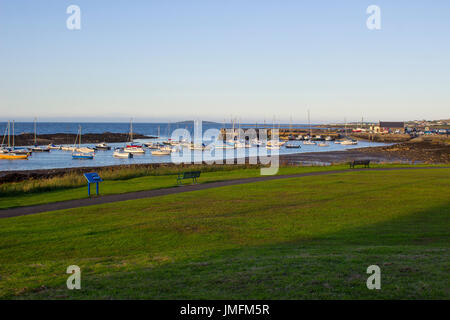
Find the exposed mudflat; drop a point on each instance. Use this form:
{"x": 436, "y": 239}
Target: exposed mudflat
{"x": 334, "y": 157}
{"x": 422, "y": 151}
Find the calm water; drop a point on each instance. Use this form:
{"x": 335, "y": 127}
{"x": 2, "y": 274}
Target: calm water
{"x": 63, "y": 159}
{"x": 150, "y": 129}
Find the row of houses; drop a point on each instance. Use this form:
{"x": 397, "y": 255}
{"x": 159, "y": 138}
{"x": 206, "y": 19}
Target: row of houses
{"x": 401, "y": 127}
{"x": 388, "y": 127}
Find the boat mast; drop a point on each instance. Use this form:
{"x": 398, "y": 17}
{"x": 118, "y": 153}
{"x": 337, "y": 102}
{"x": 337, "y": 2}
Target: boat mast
{"x": 290, "y": 125}
{"x": 13, "y": 136}
{"x": 273, "y": 127}
{"x": 345, "y": 127}
{"x": 131, "y": 130}
{"x": 76, "y": 139}
{"x": 4, "y": 135}
{"x": 309, "y": 122}
{"x": 9, "y": 134}
{"x": 232, "y": 121}
{"x": 35, "y": 144}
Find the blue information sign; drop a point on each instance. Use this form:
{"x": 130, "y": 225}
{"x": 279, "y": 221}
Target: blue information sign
{"x": 92, "y": 177}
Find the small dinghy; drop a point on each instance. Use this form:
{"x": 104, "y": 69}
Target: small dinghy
{"x": 161, "y": 152}
{"x": 103, "y": 146}
{"x": 40, "y": 149}
{"x": 292, "y": 146}
{"x": 349, "y": 142}
{"x": 67, "y": 148}
{"x": 82, "y": 156}
{"x": 54, "y": 147}
{"x": 21, "y": 151}
{"x": 120, "y": 153}
{"x": 134, "y": 150}
{"x": 85, "y": 150}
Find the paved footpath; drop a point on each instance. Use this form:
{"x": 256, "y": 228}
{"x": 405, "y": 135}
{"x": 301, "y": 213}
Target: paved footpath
{"x": 70, "y": 204}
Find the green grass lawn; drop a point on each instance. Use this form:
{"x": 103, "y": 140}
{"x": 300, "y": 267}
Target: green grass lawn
{"x": 310, "y": 237}
{"x": 115, "y": 186}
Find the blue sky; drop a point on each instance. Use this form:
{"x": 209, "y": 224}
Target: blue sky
{"x": 211, "y": 59}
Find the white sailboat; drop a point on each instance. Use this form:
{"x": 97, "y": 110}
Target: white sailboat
{"x": 347, "y": 140}
{"x": 36, "y": 148}
{"x": 132, "y": 147}
{"x": 309, "y": 141}
{"x": 82, "y": 152}
{"x": 3, "y": 148}
{"x": 10, "y": 153}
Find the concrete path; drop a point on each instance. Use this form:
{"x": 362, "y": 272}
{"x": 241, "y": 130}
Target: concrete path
{"x": 70, "y": 204}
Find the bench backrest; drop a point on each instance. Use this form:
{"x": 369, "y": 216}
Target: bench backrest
{"x": 191, "y": 174}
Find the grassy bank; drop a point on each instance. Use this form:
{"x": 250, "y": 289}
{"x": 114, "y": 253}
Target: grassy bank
{"x": 76, "y": 179}
{"x": 122, "y": 180}
{"x": 312, "y": 237}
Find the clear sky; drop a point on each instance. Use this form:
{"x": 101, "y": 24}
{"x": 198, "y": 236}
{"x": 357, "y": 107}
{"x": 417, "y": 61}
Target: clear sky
{"x": 253, "y": 59}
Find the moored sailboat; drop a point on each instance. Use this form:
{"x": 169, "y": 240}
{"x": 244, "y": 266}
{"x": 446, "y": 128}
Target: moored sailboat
{"x": 309, "y": 140}
{"x": 11, "y": 153}
{"x": 132, "y": 147}
{"x": 80, "y": 151}
{"x": 36, "y": 148}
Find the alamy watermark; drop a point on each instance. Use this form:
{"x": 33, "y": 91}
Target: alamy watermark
{"x": 374, "y": 280}
{"x": 374, "y": 20}
{"x": 74, "y": 280}
{"x": 73, "y": 22}
{"x": 227, "y": 146}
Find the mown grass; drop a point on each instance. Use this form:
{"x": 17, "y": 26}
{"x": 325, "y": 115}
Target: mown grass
{"x": 123, "y": 180}
{"x": 311, "y": 237}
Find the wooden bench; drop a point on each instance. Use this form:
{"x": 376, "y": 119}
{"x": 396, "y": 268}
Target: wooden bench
{"x": 188, "y": 175}
{"x": 364, "y": 163}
